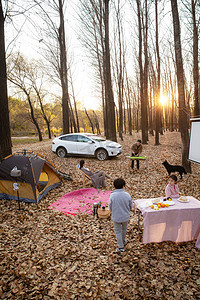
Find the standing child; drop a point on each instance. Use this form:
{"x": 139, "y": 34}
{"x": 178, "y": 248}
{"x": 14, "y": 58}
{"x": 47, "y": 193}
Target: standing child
{"x": 120, "y": 205}
{"x": 172, "y": 189}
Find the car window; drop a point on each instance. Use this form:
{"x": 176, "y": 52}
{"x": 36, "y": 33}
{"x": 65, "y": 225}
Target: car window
{"x": 83, "y": 139}
{"x": 98, "y": 139}
{"x": 70, "y": 138}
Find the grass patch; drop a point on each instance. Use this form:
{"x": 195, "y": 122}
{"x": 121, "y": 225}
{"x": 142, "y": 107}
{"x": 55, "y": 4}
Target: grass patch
{"x": 17, "y": 141}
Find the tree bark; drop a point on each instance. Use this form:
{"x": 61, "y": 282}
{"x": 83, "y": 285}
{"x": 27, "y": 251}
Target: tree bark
{"x": 47, "y": 121}
{"x": 63, "y": 70}
{"x": 143, "y": 121}
{"x": 73, "y": 121}
{"x": 157, "y": 107}
{"x": 33, "y": 116}
{"x": 109, "y": 98}
{"x": 5, "y": 140}
{"x": 97, "y": 123}
{"x": 195, "y": 62}
{"x": 90, "y": 120}
{"x": 145, "y": 78}
{"x": 183, "y": 124}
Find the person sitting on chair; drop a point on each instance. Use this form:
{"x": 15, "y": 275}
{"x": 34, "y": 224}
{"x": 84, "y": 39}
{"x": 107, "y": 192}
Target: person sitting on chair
{"x": 98, "y": 177}
{"x": 136, "y": 151}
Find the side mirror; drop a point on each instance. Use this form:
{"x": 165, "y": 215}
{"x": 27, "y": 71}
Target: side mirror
{"x": 90, "y": 142}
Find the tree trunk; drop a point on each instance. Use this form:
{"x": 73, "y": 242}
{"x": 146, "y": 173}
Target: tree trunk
{"x": 43, "y": 112}
{"x": 90, "y": 120}
{"x": 73, "y": 121}
{"x": 33, "y": 117}
{"x": 109, "y": 98}
{"x": 97, "y": 123}
{"x": 157, "y": 107}
{"x": 145, "y": 78}
{"x": 63, "y": 70}
{"x": 195, "y": 62}
{"x": 128, "y": 101}
{"x": 183, "y": 124}
{"x": 143, "y": 121}
{"x": 5, "y": 140}
{"x": 75, "y": 107}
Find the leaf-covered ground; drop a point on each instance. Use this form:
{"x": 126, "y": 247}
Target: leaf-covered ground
{"x": 45, "y": 254}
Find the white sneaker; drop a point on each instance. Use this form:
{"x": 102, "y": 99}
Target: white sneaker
{"x": 121, "y": 250}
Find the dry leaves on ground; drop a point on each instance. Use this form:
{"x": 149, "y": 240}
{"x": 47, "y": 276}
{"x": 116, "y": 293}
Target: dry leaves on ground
{"x": 45, "y": 254}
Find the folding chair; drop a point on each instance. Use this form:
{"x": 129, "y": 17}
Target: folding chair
{"x": 86, "y": 180}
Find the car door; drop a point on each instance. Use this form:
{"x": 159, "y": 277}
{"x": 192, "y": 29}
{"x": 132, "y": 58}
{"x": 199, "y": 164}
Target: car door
{"x": 85, "y": 145}
{"x": 69, "y": 141}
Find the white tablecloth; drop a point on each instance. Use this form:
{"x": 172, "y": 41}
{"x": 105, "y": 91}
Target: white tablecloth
{"x": 177, "y": 223}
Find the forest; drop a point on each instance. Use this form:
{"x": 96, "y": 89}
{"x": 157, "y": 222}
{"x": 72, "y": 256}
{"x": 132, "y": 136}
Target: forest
{"x": 141, "y": 59}
{"x": 127, "y": 70}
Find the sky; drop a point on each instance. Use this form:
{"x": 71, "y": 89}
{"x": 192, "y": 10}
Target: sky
{"x": 83, "y": 77}
{"x": 29, "y": 45}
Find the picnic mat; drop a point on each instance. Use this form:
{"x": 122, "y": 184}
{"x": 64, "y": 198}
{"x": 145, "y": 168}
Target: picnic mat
{"x": 80, "y": 201}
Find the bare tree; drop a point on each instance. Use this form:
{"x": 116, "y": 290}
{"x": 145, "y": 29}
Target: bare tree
{"x": 119, "y": 65}
{"x": 74, "y": 100}
{"x": 96, "y": 121}
{"x": 18, "y": 75}
{"x": 157, "y": 111}
{"x": 90, "y": 120}
{"x": 143, "y": 78}
{"x": 56, "y": 55}
{"x": 96, "y": 40}
{"x": 195, "y": 59}
{"x": 183, "y": 116}
{"x": 5, "y": 141}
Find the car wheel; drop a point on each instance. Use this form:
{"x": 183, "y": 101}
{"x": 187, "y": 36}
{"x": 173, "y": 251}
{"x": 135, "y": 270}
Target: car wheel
{"x": 61, "y": 152}
{"x": 101, "y": 154}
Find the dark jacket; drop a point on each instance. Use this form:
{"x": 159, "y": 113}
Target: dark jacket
{"x": 136, "y": 149}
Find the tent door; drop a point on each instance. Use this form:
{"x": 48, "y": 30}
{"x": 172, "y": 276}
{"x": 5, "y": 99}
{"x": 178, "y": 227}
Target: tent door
{"x": 43, "y": 181}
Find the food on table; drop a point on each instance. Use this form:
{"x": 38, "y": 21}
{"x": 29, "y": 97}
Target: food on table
{"x": 183, "y": 199}
{"x": 152, "y": 206}
{"x": 156, "y": 201}
{"x": 163, "y": 205}
{"x": 167, "y": 205}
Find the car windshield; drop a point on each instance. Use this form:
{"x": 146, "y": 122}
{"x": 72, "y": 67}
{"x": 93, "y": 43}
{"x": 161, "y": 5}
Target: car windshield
{"x": 97, "y": 138}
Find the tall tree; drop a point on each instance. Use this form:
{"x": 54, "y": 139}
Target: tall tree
{"x": 157, "y": 111}
{"x": 119, "y": 65}
{"x": 143, "y": 79}
{"x": 53, "y": 38}
{"x": 195, "y": 59}
{"x": 109, "y": 98}
{"x": 5, "y": 141}
{"x": 63, "y": 69}
{"x": 183, "y": 124}
{"x": 144, "y": 105}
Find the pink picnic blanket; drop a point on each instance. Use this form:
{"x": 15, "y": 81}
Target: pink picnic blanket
{"x": 80, "y": 201}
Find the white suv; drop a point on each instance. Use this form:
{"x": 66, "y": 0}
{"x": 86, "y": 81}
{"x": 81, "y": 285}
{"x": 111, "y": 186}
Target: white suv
{"x": 85, "y": 144}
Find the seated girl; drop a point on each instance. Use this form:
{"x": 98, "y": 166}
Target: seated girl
{"x": 172, "y": 190}
{"x": 98, "y": 177}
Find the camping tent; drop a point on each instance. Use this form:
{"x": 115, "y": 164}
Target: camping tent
{"x": 35, "y": 178}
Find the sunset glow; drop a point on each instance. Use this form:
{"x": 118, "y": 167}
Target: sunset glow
{"x": 163, "y": 100}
